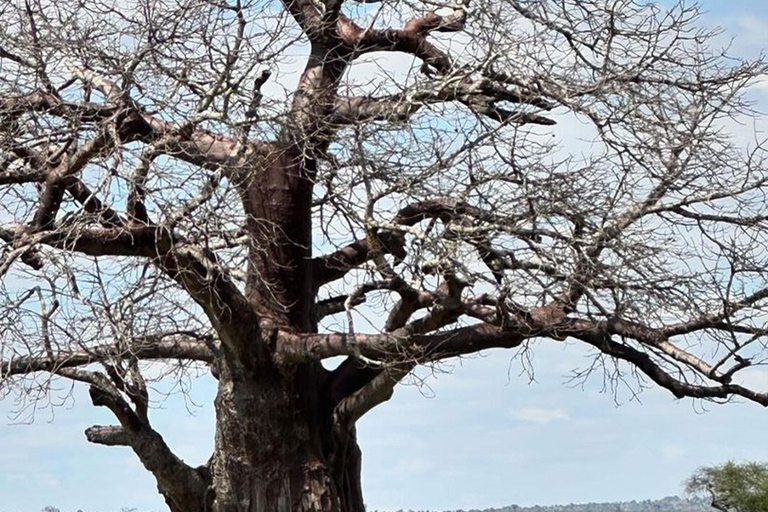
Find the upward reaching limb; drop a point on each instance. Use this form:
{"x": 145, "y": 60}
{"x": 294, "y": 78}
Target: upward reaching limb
{"x": 196, "y": 270}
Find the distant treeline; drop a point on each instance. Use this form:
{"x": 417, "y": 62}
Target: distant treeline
{"x": 670, "y": 504}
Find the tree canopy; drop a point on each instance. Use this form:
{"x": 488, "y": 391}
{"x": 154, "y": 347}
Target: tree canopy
{"x": 733, "y": 487}
{"x": 253, "y": 187}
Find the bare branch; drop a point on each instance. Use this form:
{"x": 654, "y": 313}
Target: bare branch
{"x": 422, "y": 348}
{"x": 158, "y": 347}
{"x": 376, "y": 392}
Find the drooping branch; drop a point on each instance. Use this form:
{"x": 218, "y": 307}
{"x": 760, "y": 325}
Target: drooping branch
{"x": 599, "y": 337}
{"x": 182, "y": 486}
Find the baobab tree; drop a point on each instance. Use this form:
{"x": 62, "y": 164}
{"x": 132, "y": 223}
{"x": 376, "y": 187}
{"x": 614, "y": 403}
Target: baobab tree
{"x": 498, "y": 174}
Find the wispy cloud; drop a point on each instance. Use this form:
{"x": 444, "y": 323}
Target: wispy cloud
{"x": 754, "y": 378}
{"x": 538, "y": 415}
{"x": 672, "y": 452}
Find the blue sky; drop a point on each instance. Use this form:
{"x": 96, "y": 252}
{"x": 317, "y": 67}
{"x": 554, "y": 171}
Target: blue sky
{"x": 476, "y": 436}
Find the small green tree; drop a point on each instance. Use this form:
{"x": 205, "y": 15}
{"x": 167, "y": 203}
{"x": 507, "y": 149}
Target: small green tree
{"x": 733, "y": 487}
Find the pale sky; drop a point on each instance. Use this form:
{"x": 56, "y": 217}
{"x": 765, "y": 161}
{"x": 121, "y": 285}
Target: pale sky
{"x": 478, "y": 435}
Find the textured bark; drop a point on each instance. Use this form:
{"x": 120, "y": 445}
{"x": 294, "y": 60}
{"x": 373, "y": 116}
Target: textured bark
{"x": 278, "y": 204}
{"x": 276, "y": 447}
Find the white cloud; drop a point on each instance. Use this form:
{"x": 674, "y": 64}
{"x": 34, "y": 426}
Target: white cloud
{"x": 762, "y": 85}
{"x": 537, "y": 415}
{"x": 753, "y": 378}
{"x": 752, "y": 30}
{"x": 672, "y": 452}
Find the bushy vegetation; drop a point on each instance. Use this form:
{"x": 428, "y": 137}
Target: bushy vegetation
{"x": 733, "y": 487}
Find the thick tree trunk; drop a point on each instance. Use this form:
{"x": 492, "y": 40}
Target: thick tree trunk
{"x": 278, "y": 203}
{"x": 276, "y": 446}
